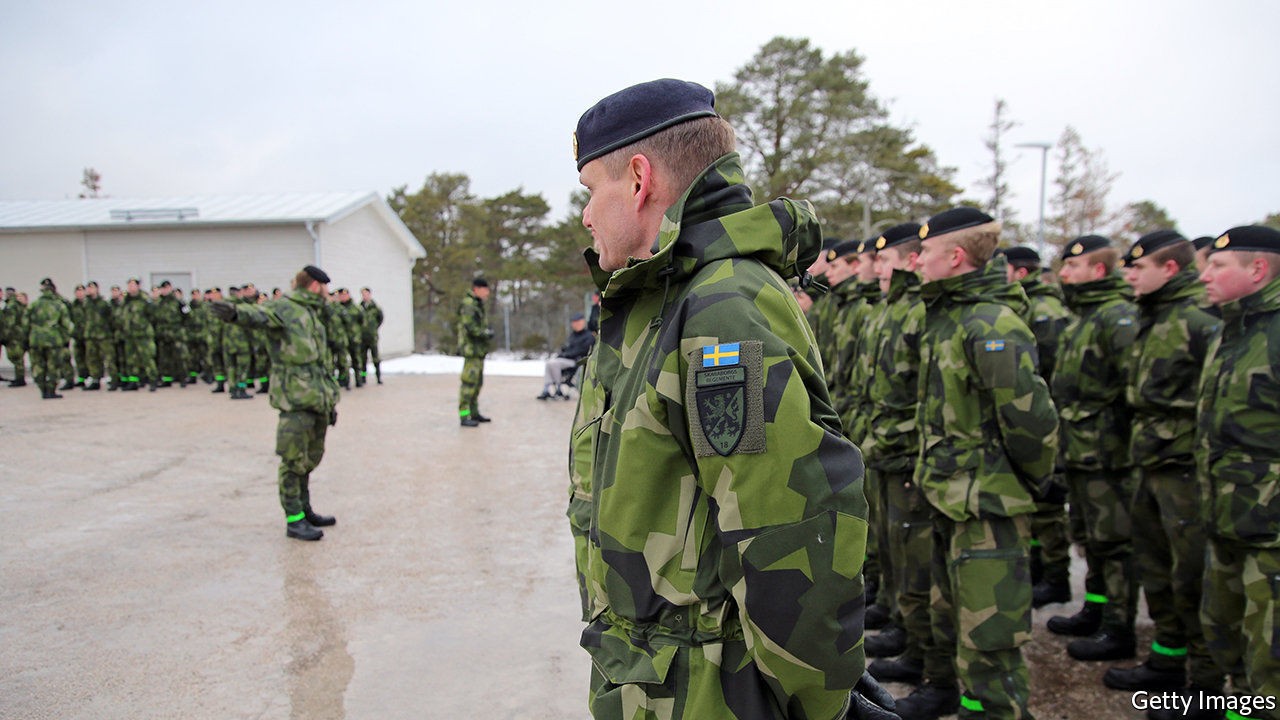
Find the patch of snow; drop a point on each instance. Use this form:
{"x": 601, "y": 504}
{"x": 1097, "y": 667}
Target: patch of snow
{"x": 434, "y": 364}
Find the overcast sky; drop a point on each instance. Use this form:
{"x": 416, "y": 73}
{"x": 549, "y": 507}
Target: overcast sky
{"x": 163, "y": 98}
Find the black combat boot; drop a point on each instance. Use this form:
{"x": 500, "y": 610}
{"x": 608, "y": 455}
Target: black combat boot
{"x": 1191, "y": 709}
{"x": 480, "y": 418}
{"x": 68, "y": 384}
{"x": 1037, "y": 563}
{"x": 902, "y": 669}
{"x": 344, "y": 382}
{"x": 318, "y": 520}
{"x": 19, "y": 382}
{"x": 1047, "y": 592}
{"x": 129, "y": 386}
{"x": 1145, "y": 677}
{"x": 928, "y": 702}
{"x": 222, "y": 387}
{"x": 154, "y": 385}
{"x": 876, "y": 617}
{"x": 889, "y": 642}
{"x": 302, "y": 530}
{"x": 264, "y": 387}
{"x": 1082, "y": 624}
{"x": 1115, "y": 644}
{"x": 377, "y": 369}
{"x": 469, "y": 421}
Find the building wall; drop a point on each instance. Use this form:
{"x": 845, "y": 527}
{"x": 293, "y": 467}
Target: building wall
{"x": 25, "y": 260}
{"x": 358, "y": 251}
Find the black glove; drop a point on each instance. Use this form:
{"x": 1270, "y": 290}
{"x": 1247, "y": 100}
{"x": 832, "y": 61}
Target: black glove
{"x": 224, "y": 310}
{"x": 869, "y": 701}
{"x": 1056, "y": 493}
{"x": 333, "y": 418}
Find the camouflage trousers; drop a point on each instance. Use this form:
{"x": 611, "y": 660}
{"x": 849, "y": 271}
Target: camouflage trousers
{"x": 1049, "y": 533}
{"x": 139, "y": 359}
{"x": 99, "y": 358}
{"x": 471, "y": 382}
{"x": 239, "y": 368}
{"x": 214, "y": 361}
{"x": 356, "y": 352}
{"x": 171, "y": 358}
{"x": 682, "y": 682}
{"x": 981, "y": 613}
{"x": 300, "y": 445}
{"x": 909, "y": 540}
{"x": 340, "y": 359}
{"x": 79, "y": 352}
{"x": 878, "y": 566}
{"x": 262, "y": 366}
{"x": 1170, "y": 564}
{"x": 1240, "y": 613}
{"x": 17, "y": 353}
{"x": 1103, "y": 500}
{"x": 369, "y": 351}
{"x": 46, "y": 366}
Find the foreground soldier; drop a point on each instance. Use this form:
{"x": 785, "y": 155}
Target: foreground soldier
{"x": 474, "y": 336}
{"x": 301, "y": 389}
{"x": 372, "y": 315}
{"x": 987, "y": 448}
{"x": 139, "y": 357}
{"x": 1238, "y": 457}
{"x": 718, "y": 513}
{"x": 50, "y": 330}
{"x": 15, "y": 336}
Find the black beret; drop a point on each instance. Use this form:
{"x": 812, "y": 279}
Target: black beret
{"x": 844, "y": 249}
{"x": 1020, "y": 254}
{"x": 636, "y": 113}
{"x": 957, "y": 218}
{"x": 828, "y": 243}
{"x": 867, "y": 246}
{"x": 92, "y": 283}
{"x": 1248, "y": 238}
{"x": 47, "y": 283}
{"x": 1202, "y": 242}
{"x": 479, "y": 282}
{"x": 1085, "y": 244}
{"x": 316, "y": 274}
{"x": 165, "y": 284}
{"x": 1152, "y": 242}
{"x": 79, "y": 287}
{"x": 897, "y": 235}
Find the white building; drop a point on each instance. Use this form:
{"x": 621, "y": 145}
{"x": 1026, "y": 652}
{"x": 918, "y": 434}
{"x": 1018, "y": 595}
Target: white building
{"x": 207, "y": 241}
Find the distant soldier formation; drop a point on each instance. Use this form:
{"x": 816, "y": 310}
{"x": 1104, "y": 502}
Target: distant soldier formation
{"x": 1005, "y": 413}
{"x": 134, "y": 339}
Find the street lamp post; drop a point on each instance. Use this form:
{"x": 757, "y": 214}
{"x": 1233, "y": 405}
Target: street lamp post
{"x": 1044, "y": 166}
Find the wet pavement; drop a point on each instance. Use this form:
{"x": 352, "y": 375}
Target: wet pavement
{"x": 144, "y": 571}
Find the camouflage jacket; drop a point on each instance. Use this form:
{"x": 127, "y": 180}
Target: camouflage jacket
{"x": 1091, "y": 373}
{"x": 300, "y": 362}
{"x": 134, "y": 318}
{"x": 893, "y": 443}
{"x": 372, "y": 319}
{"x": 1165, "y": 363}
{"x": 1239, "y": 422}
{"x": 77, "y": 309}
{"x": 1049, "y": 316}
{"x": 856, "y": 414}
{"x": 15, "y": 323}
{"x": 848, "y": 307}
{"x": 166, "y": 318}
{"x": 49, "y": 322}
{"x": 354, "y": 316}
{"x": 473, "y": 328}
{"x": 988, "y": 428}
{"x": 713, "y": 496}
{"x": 335, "y": 323}
{"x": 97, "y": 319}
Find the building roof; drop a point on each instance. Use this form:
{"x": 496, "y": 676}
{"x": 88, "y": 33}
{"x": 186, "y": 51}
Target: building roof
{"x": 196, "y": 211}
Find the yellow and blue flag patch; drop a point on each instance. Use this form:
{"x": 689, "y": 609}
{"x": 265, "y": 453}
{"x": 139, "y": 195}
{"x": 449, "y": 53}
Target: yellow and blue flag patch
{"x": 720, "y": 355}
{"x": 994, "y": 346}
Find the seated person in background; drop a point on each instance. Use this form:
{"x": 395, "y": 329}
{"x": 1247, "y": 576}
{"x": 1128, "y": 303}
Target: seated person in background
{"x": 574, "y": 349}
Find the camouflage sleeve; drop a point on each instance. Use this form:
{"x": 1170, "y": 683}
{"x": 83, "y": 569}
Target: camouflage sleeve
{"x": 257, "y": 316}
{"x": 791, "y": 511}
{"x": 1004, "y": 355}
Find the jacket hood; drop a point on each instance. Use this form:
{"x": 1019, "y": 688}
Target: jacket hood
{"x": 305, "y": 297}
{"x": 1183, "y": 286}
{"x": 986, "y": 284}
{"x": 1265, "y": 300}
{"x": 1035, "y": 287}
{"x": 715, "y": 220}
{"x": 901, "y": 283}
{"x": 1096, "y": 292}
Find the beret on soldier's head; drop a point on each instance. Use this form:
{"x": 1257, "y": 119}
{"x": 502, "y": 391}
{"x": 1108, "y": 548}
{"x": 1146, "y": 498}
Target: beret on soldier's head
{"x": 1085, "y": 244}
{"x": 844, "y": 248}
{"x": 166, "y": 284}
{"x": 479, "y": 282}
{"x": 47, "y": 283}
{"x": 1202, "y": 242}
{"x": 1248, "y": 238}
{"x": 79, "y": 287}
{"x": 636, "y": 113}
{"x": 949, "y": 221}
{"x": 316, "y": 274}
{"x": 897, "y": 235}
{"x": 1152, "y": 242}
{"x": 1020, "y": 254}
{"x": 867, "y": 246}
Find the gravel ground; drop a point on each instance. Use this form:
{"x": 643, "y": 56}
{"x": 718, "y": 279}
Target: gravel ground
{"x": 144, "y": 571}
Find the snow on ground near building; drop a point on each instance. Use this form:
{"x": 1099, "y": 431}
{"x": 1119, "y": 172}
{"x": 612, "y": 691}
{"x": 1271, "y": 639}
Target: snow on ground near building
{"x": 495, "y": 364}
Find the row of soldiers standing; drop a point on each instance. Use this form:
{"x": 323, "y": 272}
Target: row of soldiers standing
{"x": 1120, "y": 409}
{"x": 158, "y": 340}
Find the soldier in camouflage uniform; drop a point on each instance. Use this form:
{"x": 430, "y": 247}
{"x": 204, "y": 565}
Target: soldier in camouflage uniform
{"x": 1089, "y": 389}
{"x": 369, "y": 334}
{"x": 166, "y": 318}
{"x": 99, "y": 354}
{"x": 355, "y": 332}
{"x": 1164, "y": 375}
{"x": 76, "y": 307}
{"x": 987, "y": 447}
{"x": 215, "y": 358}
{"x": 1238, "y": 458}
{"x": 261, "y": 344}
{"x": 893, "y": 446}
{"x": 336, "y": 327}
{"x": 1050, "y": 541}
{"x": 117, "y": 338}
{"x": 716, "y": 507}
{"x": 15, "y": 336}
{"x": 139, "y": 360}
{"x": 818, "y": 289}
{"x": 236, "y": 351}
{"x": 474, "y": 336}
{"x": 195, "y": 329}
{"x": 302, "y": 389}
{"x": 50, "y": 329}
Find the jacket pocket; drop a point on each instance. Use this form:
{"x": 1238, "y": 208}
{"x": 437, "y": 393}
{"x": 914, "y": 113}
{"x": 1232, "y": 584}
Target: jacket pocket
{"x": 993, "y": 598}
{"x": 623, "y": 662}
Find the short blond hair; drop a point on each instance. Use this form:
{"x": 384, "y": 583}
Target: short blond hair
{"x": 1108, "y": 256}
{"x": 978, "y": 242}
{"x": 684, "y": 151}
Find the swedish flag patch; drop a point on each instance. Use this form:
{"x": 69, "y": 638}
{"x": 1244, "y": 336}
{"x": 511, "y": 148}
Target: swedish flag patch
{"x": 721, "y": 355}
{"x": 994, "y": 346}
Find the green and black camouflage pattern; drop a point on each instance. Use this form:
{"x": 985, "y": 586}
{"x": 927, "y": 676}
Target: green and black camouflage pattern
{"x": 1048, "y": 318}
{"x": 716, "y": 585}
{"x": 300, "y": 361}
